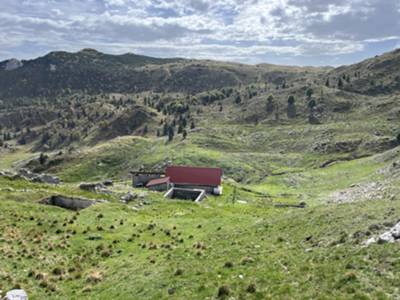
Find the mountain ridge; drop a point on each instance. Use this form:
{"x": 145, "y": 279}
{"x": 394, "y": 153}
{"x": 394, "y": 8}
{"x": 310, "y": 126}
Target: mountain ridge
{"x": 57, "y": 72}
{"x": 94, "y": 72}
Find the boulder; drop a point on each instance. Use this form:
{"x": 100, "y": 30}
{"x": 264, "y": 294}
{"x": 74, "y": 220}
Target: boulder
{"x": 6, "y": 173}
{"x": 370, "y": 241}
{"x": 396, "y": 231}
{"x": 142, "y": 195}
{"x": 28, "y": 175}
{"x": 96, "y": 187}
{"x": 108, "y": 182}
{"x": 45, "y": 178}
{"x": 312, "y": 119}
{"x": 386, "y": 237}
{"x": 130, "y": 196}
{"x": 16, "y": 295}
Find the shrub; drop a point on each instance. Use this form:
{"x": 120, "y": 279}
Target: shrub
{"x": 223, "y": 291}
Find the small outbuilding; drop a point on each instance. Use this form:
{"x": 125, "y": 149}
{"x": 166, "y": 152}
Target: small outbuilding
{"x": 159, "y": 184}
{"x": 141, "y": 178}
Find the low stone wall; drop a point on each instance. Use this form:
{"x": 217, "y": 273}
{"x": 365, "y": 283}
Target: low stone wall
{"x": 185, "y": 194}
{"x": 207, "y": 188}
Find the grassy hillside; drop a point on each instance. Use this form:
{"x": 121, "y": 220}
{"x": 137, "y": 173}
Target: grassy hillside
{"x": 283, "y": 136}
{"x": 175, "y": 250}
{"x": 378, "y": 75}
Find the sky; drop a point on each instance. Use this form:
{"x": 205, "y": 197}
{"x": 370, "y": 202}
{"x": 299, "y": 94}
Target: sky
{"x": 289, "y": 32}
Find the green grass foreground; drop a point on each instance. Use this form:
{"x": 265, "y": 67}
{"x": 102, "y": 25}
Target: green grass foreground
{"x": 216, "y": 249}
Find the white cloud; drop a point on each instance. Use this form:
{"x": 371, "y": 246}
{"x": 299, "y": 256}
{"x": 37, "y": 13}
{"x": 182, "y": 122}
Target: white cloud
{"x": 230, "y": 29}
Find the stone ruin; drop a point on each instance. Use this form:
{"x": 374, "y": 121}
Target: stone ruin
{"x": 71, "y": 203}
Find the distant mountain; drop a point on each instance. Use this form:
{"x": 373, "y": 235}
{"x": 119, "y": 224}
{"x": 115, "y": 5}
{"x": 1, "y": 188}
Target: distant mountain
{"x": 85, "y": 70}
{"x": 93, "y": 72}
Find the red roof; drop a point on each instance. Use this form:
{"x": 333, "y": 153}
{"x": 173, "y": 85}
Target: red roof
{"x": 194, "y": 175}
{"x": 158, "y": 181}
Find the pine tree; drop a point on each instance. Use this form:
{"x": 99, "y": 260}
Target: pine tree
{"x": 170, "y": 133}
{"x": 311, "y": 104}
{"x": 238, "y": 99}
{"x": 42, "y": 158}
{"x": 291, "y": 100}
{"x": 184, "y": 122}
{"x": 340, "y": 83}
{"x": 291, "y": 108}
{"x": 180, "y": 128}
{"x": 327, "y": 83}
{"x": 165, "y": 129}
{"x": 309, "y": 93}
{"x": 270, "y": 104}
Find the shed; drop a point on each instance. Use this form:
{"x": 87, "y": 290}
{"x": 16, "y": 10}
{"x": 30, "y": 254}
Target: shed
{"x": 141, "y": 178}
{"x": 159, "y": 184}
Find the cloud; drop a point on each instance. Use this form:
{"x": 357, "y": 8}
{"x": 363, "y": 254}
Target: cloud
{"x": 247, "y": 30}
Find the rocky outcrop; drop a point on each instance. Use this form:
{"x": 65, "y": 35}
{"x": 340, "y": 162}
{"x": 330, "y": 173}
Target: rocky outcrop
{"x": 337, "y": 147}
{"x": 5, "y": 173}
{"x": 30, "y": 176}
{"x": 393, "y": 170}
{"x": 380, "y": 144}
{"x": 131, "y": 196}
{"x": 390, "y": 236}
{"x": 40, "y": 178}
{"x": 12, "y": 64}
